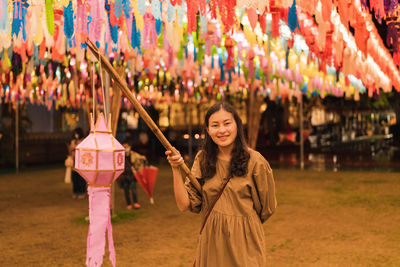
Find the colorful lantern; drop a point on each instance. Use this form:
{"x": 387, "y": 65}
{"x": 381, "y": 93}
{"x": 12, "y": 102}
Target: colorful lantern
{"x": 99, "y": 159}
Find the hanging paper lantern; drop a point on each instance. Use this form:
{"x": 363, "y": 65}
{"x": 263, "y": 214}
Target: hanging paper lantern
{"x": 99, "y": 159}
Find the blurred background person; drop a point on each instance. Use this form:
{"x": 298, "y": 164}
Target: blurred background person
{"x": 78, "y": 183}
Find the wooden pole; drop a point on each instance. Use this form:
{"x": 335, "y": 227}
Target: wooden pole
{"x": 190, "y": 140}
{"x": 250, "y": 117}
{"x": 115, "y": 110}
{"x": 258, "y": 100}
{"x": 107, "y": 105}
{"x": 301, "y": 134}
{"x": 17, "y": 137}
{"x": 107, "y": 91}
{"x": 142, "y": 112}
{"x": 86, "y": 108}
{"x": 254, "y": 117}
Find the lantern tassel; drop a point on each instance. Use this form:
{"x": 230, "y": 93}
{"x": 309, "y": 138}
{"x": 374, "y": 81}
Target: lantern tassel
{"x": 100, "y": 222}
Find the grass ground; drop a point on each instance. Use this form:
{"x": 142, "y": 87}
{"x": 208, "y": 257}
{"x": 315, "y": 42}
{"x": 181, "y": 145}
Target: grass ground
{"x": 323, "y": 219}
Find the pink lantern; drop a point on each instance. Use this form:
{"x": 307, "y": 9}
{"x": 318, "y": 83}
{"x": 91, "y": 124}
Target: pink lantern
{"x": 99, "y": 159}
{"x": 288, "y": 74}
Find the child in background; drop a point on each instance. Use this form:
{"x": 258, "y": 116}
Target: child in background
{"x": 78, "y": 183}
{"x": 127, "y": 181}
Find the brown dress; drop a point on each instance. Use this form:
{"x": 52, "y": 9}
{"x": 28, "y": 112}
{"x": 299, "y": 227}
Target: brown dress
{"x": 233, "y": 234}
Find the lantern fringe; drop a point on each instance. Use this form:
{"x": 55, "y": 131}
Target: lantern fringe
{"x": 100, "y": 222}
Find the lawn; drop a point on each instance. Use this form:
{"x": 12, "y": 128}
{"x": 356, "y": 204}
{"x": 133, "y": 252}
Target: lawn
{"x": 323, "y": 219}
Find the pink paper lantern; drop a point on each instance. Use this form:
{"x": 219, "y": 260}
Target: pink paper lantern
{"x": 100, "y": 158}
{"x": 288, "y": 74}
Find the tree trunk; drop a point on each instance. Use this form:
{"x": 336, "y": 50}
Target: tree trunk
{"x": 254, "y": 117}
{"x": 116, "y": 103}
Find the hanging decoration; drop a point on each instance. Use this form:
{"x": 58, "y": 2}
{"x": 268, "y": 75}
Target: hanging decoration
{"x": 209, "y": 43}
{"x": 99, "y": 159}
{"x": 69, "y": 22}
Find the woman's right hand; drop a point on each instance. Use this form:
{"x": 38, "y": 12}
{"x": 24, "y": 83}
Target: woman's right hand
{"x": 180, "y": 192}
{"x": 174, "y": 160}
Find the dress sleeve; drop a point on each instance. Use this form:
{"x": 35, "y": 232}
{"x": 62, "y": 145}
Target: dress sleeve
{"x": 194, "y": 195}
{"x": 265, "y": 188}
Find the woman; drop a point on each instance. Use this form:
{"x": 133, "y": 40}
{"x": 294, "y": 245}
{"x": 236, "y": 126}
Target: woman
{"x": 233, "y": 234}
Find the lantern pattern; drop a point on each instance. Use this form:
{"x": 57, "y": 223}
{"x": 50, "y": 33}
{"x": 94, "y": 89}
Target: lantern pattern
{"x": 99, "y": 159}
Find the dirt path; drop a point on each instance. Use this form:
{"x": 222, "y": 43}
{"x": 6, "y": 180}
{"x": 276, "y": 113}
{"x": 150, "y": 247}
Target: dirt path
{"x": 323, "y": 219}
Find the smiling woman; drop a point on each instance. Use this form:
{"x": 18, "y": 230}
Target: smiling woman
{"x": 237, "y": 194}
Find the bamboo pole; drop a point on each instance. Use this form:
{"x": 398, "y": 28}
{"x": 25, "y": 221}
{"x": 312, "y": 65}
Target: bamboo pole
{"x": 115, "y": 110}
{"x": 256, "y": 120}
{"x": 254, "y": 117}
{"x": 106, "y": 91}
{"x": 142, "y": 112}
{"x": 250, "y": 117}
{"x": 190, "y": 140}
{"x": 301, "y": 126}
{"x": 17, "y": 137}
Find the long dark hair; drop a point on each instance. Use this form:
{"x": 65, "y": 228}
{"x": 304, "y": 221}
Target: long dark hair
{"x": 240, "y": 155}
